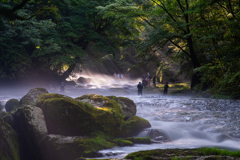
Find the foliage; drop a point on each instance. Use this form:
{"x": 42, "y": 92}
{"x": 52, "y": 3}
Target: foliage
{"x": 49, "y": 47}
{"x": 202, "y": 36}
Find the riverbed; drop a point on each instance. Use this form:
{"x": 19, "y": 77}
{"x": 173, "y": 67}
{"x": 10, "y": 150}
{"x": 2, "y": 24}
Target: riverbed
{"x": 184, "y": 121}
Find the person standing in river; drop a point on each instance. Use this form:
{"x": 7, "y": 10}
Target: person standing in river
{"x": 62, "y": 87}
{"x": 140, "y": 88}
{"x": 165, "y": 88}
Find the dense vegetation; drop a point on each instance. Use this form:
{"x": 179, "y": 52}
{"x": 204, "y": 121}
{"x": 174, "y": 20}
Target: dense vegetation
{"x": 201, "y": 36}
{"x": 50, "y": 47}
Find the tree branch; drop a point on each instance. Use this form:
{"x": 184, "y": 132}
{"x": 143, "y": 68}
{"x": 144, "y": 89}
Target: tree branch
{"x": 179, "y": 47}
{"x": 148, "y": 22}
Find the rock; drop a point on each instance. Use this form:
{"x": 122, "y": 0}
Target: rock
{"x": 57, "y": 147}
{"x": 133, "y": 126}
{"x": 99, "y": 101}
{"x": 70, "y": 117}
{"x": 156, "y": 135}
{"x": 1, "y": 106}
{"x": 191, "y": 154}
{"x": 139, "y": 140}
{"x": 9, "y": 146}
{"x": 29, "y": 123}
{"x": 32, "y": 95}
{"x": 127, "y": 105}
{"x": 2, "y": 114}
{"x": 11, "y": 104}
{"x": 70, "y": 83}
{"x": 83, "y": 80}
{"x": 92, "y": 154}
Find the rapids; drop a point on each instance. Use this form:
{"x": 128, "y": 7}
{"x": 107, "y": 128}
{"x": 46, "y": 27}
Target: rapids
{"x": 185, "y": 122}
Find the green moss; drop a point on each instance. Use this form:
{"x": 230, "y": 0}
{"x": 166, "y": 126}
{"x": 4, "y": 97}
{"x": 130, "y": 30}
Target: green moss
{"x": 133, "y": 126}
{"x": 93, "y": 144}
{"x": 140, "y": 140}
{"x": 41, "y": 99}
{"x": 68, "y": 116}
{"x": 11, "y": 104}
{"x": 121, "y": 142}
{"x": 94, "y": 97}
{"x": 114, "y": 105}
{"x": 183, "y": 154}
{"x": 9, "y": 148}
{"x": 218, "y": 151}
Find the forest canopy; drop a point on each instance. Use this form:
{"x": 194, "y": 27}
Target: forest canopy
{"x": 51, "y": 38}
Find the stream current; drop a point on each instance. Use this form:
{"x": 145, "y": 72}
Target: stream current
{"x": 183, "y": 121}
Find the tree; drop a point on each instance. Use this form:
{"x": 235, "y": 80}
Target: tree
{"x": 200, "y": 35}
{"x": 54, "y": 52}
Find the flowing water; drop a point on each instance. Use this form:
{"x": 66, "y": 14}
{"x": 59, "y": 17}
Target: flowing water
{"x": 178, "y": 121}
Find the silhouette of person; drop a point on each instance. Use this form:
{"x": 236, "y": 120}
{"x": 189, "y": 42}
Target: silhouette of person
{"x": 165, "y": 88}
{"x": 154, "y": 81}
{"x": 62, "y": 87}
{"x": 140, "y": 88}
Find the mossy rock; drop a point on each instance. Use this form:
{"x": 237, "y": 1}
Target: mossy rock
{"x": 99, "y": 101}
{"x": 1, "y": 106}
{"x": 11, "y": 104}
{"x": 133, "y": 126}
{"x": 67, "y": 116}
{"x": 9, "y": 148}
{"x": 2, "y": 114}
{"x": 83, "y": 80}
{"x": 41, "y": 99}
{"x": 181, "y": 154}
{"x": 32, "y": 96}
{"x": 128, "y": 107}
{"x": 90, "y": 146}
{"x": 57, "y": 147}
{"x": 139, "y": 140}
{"x": 122, "y": 142}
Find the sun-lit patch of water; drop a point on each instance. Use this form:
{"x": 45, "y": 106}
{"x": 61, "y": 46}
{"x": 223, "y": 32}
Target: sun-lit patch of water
{"x": 103, "y": 81}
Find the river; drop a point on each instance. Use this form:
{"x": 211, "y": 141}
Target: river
{"x": 185, "y": 122}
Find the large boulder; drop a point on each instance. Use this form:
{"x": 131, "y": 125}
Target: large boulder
{"x": 29, "y": 123}
{"x": 99, "y": 101}
{"x": 129, "y": 108}
{"x": 70, "y": 117}
{"x": 83, "y": 80}
{"x": 2, "y": 114}
{"x": 133, "y": 126}
{"x": 57, "y": 147}
{"x": 11, "y": 104}
{"x": 1, "y": 106}
{"x": 9, "y": 146}
{"x": 32, "y": 95}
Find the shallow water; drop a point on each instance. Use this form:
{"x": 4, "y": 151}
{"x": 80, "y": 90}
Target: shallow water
{"x": 185, "y": 121}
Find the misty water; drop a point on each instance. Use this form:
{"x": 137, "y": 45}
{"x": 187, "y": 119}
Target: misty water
{"x": 183, "y": 121}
